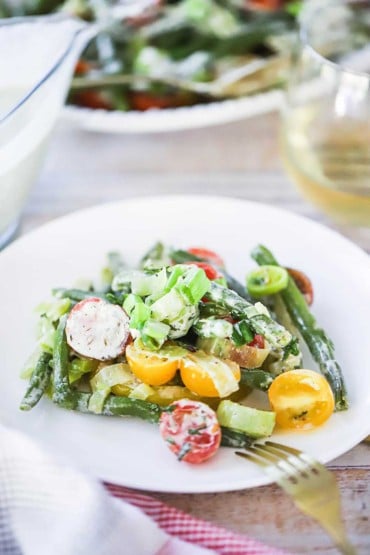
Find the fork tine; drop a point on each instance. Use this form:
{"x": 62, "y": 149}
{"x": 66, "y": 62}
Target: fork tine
{"x": 304, "y": 460}
{"x": 281, "y": 470}
{"x": 295, "y": 461}
{"x": 283, "y": 447}
{"x": 252, "y": 458}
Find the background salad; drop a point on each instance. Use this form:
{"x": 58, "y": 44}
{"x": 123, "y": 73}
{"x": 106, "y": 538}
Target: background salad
{"x": 177, "y": 52}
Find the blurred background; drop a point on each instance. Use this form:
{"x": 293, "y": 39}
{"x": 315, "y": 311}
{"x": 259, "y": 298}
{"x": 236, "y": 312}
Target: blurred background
{"x": 205, "y": 96}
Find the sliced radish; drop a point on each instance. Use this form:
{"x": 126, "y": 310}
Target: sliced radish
{"x": 97, "y": 329}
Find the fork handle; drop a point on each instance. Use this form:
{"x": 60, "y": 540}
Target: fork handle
{"x": 340, "y": 539}
{"x": 346, "y": 548}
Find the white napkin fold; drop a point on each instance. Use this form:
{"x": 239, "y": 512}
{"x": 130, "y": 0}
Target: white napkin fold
{"x": 47, "y": 508}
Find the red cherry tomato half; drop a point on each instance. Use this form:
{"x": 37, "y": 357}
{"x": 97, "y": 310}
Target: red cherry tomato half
{"x": 82, "y": 67}
{"x": 207, "y": 255}
{"x": 268, "y": 5}
{"x": 191, "y": 430}
{"x": 142, "y": 100}
{"x": 258, "y": 341}
{"x": 92, "y": 99}
{"x": 210, "y": 271}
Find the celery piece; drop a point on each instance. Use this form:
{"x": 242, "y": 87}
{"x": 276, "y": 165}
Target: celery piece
{"x": 138, "y": 311}
{"x": 80, "y": 366}
{"x": 104, "y": 380}
{"x": 111, "y": 375}
{"x": 144, "y": 284}
{"x": 154, "y": 334}
{"x": 46, "y": 334}
{"x": 54, "y": 309}
{"x": 253, "y": 422}
{"x": 157, "y": 330}
{"x": 168, "y": 307}
{"x": 130, "y": 303}
{"x": 176, "y": 272}
{"x": 97, "y": 400}
{"x": 142, "y": 391}
{"x": 194, "y": 284}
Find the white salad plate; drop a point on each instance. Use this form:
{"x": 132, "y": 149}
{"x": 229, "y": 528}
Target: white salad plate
{"x": 128, "y": 451}
{"x": 173, "y": 119}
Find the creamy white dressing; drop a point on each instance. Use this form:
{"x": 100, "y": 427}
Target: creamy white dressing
{"x": 219, "y": 371}
{"x": 216, "y": 328}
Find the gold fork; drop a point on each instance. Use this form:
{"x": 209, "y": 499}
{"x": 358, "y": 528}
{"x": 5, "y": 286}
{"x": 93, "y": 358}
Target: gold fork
{"x": 312, "y": 487}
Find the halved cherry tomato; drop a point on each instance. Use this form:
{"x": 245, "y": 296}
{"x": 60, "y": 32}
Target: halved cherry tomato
{"x": 258, "y": 341}
{"x": 207, "y": 255}
{"x": 209, "y": 270}
{"x": 142, "y": 100}
{"x": 82, "y": 67}
{"x": 302, "y": 399}
{"x": 92, "y": 99}
{"x": 248, "y": 356}
{"x": 150, "y": 367}
{"x": 268, "y": 5}
{"x": 191, "y": 430}
{"x": 209, "y": 376}
{"x": 303, "y": 283}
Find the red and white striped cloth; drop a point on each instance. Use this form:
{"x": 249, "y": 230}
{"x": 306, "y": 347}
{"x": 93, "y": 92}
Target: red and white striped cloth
{"x": 190, "y": 529}
{"x": 48, "y": 507}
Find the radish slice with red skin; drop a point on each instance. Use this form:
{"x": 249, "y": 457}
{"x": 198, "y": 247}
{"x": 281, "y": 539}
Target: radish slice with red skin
{"x": 97, "y": 329}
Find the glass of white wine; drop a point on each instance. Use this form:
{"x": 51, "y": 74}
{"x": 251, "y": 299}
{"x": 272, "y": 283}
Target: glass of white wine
{"x": 326, "y": 115}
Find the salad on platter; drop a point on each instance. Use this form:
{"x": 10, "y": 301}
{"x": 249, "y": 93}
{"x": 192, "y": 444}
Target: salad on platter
{"x": 171, "y": 53}
{"x": 181, "y": 343}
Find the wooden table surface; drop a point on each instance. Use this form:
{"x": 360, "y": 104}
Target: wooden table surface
{"x": 239, "y": 160}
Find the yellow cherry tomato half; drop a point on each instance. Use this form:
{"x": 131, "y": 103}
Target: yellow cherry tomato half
{"x": 150, "y": 367}
{"x": 209, "y": 376}
{"x": 302, "y": 399}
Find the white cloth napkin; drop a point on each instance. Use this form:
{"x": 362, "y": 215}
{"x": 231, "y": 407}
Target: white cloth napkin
{"x": 47, "y": 508}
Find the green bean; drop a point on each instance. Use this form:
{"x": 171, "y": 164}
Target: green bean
{"x": 319, "y": 344}
{"x": 63, "y": 395}
{"x": 241, "y": 309}
{"x": 38, "y": 383}
{"x": 126, "y": 406}
{"x": 234, "y": 438}
{"x": 114, "y": 406}
{"x": 256, "y": 378}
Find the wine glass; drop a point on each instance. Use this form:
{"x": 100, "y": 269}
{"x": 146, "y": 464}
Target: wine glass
{"x": 325, "y": 137}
